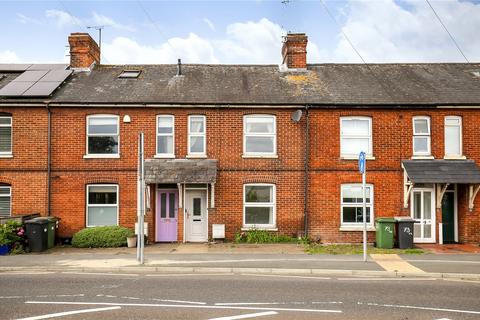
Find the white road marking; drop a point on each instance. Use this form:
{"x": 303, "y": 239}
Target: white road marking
{"x": 13, "y": 297}
{"x": 280, "y": 276}
{"x": 70, "y": 295}
{"x": 103, "y": 274}
{"x": 178, "y": 301}
{"x": 131, "y": 298}
{"x": 67, "y": 313}
{"x": 387, "y": 279}
{"x": 246, "y": 316}
{"x": 182, "y": 306}
{"x": 327, "y": 302}
{"x": 420, "y": 308}
{"x": 247, "y": 303}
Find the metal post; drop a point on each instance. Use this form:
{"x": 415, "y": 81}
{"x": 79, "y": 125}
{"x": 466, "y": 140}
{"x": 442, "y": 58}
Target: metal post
{"x": 364, "y": 187}
{"x": 141, "y": 201}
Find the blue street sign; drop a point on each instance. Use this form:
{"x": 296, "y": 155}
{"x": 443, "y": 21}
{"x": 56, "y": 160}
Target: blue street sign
{"x": 361, "y": 162}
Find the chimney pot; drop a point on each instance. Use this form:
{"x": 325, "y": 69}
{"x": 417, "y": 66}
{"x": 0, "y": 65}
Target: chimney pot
{"x": 294, "y": 50}
{"x": 84, "y": 51}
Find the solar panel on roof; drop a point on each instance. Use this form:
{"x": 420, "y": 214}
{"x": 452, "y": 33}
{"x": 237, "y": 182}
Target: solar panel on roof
{"x": 30, "y": 75}
{"x": 42, "y": 88}
{"x": 56, "y": 75}
{"x": 13, "y": 67}
{"x": 48, "y": 66}
{"x": 15, "y": 88}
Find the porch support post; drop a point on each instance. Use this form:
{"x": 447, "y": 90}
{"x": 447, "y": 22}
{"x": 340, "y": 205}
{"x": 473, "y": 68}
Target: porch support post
{"x": 212, "y": 195}
{"x": 441, "y": 188}
{"x": 472, "y": 194}
{"x": 407, "y": 188}
{"x": 180, "y": 195}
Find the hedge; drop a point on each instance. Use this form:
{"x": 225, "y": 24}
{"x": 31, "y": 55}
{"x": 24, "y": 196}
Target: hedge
{"x": 102, "y": 237}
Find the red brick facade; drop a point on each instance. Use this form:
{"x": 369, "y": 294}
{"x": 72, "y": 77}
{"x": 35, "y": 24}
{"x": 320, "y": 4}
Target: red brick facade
{"x": 26, "y": 172}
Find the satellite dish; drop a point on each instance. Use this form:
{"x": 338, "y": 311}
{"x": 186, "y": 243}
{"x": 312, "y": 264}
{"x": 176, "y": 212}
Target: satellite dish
{"x": 297, "y": 115}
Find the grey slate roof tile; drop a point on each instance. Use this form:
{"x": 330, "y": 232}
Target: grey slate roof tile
{"x": 442, "y": 171}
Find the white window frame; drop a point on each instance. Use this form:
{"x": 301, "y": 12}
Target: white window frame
{"x": 196, "y": 134}
{"x": 8, "y": 153}
{"x": 87, "y": 206}
{"x": 369, "y": 152}
{"x": 10, "y": 196}
{"x": 274, "y": 135}
{"x": 355, "y": 205}
{"x": 165, "y": 155}
{"x": 428, "y": 135}
{"x": 460, "y": 141}
{"x": 272, "y": 204}
{"x": 102, "y": 155}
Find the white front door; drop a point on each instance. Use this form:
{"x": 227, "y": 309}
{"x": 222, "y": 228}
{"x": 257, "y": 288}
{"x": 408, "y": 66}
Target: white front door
{"x": 423, "y": 212}
{"x": 196, "y": 216}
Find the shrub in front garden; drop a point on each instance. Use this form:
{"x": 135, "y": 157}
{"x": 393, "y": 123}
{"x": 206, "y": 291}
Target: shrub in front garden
{"x": 262, "y": 236}
{"x": 102, "y": 237}
{"x": 12, "y": 234}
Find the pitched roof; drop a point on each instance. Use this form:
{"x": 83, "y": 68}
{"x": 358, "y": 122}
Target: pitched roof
{"x": 442, "y": 171}
{"x": 322, "y": 84}
{"x": 180, "y": 171}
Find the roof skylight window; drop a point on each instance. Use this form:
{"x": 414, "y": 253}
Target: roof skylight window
{"x": 130, "y": 74}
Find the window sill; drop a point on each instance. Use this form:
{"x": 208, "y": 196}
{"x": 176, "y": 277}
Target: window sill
{"x": 356, "y": 157}
{"x": 266, "y": 156}
{"x": 259, "y": 228}
{"x": 101, "y": 156}
{"x": 356, "y": 228}
{"x": 423, "y": 157}
{"x": 455, "y": 157}
{"x": 193, "y": 156}
{"x": 6, "y": 155}
{"x": 164, "y": 156}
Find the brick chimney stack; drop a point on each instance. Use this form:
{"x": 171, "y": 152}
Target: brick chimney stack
{"x": 84, "y": 51}
{"x": 294, "y": 51}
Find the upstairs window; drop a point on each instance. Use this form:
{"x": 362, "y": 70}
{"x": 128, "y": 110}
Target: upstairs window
{"x": 355, "y": 136}
{"x": 259, "y": 206}
{"x": 165, "y": 136}
{"x": 102, "y": 135}
{"x": 453, "y": 136}
{"x": 352, "y": 204}
{"x": 5, "y": 201}
{"x": 259, "y": 135}
{"x": 5, "y": 135}
{"x": 197, "y": 135}
{"x": 421, "y": 136}
{"x": 102, "y": 205}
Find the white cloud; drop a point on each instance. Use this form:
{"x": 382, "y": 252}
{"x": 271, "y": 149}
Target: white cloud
{"x": 62, "y": 18}
{"x": 209, "y": 23}
{"x": 9, "y": 57}
{"x": 23, "y": 19}
{"x": 388, "y": 32}
{"x": 250, "y": 42}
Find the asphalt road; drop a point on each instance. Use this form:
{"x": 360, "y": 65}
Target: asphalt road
{"x": 229, "y": 297}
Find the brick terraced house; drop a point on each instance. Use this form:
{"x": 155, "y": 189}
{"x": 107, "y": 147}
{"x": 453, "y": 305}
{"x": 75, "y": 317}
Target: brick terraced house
{"x": 243, "y": 146}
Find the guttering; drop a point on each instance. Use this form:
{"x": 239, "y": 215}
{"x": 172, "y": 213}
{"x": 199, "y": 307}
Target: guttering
{"x": 306, "y": 180}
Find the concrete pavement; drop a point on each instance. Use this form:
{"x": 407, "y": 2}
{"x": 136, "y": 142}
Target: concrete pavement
{"x": 228, "y": 258}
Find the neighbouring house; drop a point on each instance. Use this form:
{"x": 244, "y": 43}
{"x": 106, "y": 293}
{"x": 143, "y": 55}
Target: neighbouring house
{"x": 243, "y": 146}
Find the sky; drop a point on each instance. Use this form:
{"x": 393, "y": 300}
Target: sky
{"x": 242, "y": 32}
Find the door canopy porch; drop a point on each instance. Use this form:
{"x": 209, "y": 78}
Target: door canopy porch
{"x": 180, "y": 171}
{"x": 442, "y": 173}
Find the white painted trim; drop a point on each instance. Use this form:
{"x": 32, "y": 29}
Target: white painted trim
{"x": 369, "y": 152}
{"x": 454, "y": 157}
{"x": 460, "y": 142}
{"x": 272, "y": 204}
{"x": 8, "y": 154}
{"x": 356, "y": 158}
{"x": 433, "y": 208}
{"x": 428, "y": 135}
{"x": 356, "y": 228}
{"x": 249, "y": 156}
{"x": 258, "y": 228}
{"x": 102, "y": 155}
{"x": 371, "y": 205}
{"x": 274, "y": 135}
{"x": 196, "y": 134}
{"x": 87, "y": 205}
{"x": 212, "y": 203}
{"x": 165, "y": 155}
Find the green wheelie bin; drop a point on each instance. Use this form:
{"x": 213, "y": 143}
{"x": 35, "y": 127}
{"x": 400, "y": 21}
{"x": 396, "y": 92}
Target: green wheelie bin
{"x": 385, "y": 232}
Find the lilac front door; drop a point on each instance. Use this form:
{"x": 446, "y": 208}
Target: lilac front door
{"x": 167, "y": 215}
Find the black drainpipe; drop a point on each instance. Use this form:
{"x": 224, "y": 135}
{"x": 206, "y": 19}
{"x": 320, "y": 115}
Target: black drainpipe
{"x": 307, "y": 150}
{"x": 49, "y": 156}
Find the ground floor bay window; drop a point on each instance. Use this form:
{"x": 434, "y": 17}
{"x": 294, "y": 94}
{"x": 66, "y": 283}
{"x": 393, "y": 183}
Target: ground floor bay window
{"x": 259, "y": 206}
{"x": 102, "y": 205}
{"x": 352, "y": 205}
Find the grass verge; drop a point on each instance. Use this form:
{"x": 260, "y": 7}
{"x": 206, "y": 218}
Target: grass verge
{"x": 356, "y": 249}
